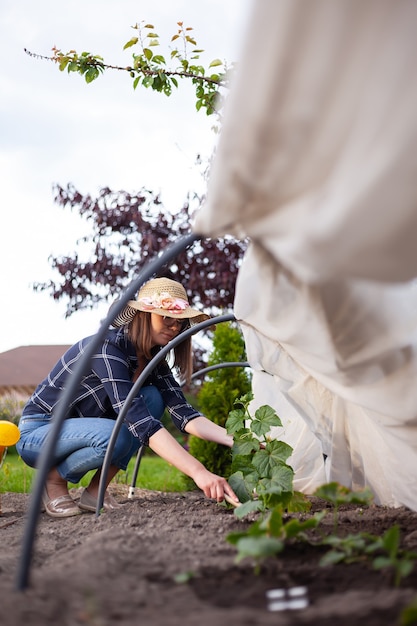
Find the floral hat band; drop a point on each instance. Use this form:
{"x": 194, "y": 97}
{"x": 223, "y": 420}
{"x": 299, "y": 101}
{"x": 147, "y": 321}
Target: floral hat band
{"x": 164, "y": 297}
{"x": 164, "y": 301}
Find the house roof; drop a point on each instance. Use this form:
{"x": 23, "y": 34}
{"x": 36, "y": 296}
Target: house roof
{"x": 27, "y": 366}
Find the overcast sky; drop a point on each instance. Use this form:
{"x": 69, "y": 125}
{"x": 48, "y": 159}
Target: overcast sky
{"x": 56, "y": 129}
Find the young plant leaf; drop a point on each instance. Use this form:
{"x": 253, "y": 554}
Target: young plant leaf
{"x": 242, "y": 463}
{"x": 131, "y": 42}
{"x": 215, "y": 62}
{"x": 266, "y": 461}
{"x": 299, "y": 503}
{"x": 251, "y": 506}
{"x": 236, "y": 421}
{"x": 243, "y": 485}
{"x": 258, "y": 547}
{"x": 244, "y": 444}
{"x": 265, "y": 417}
{"x": 339, "y": 494}
{"x": 297, "y": 528}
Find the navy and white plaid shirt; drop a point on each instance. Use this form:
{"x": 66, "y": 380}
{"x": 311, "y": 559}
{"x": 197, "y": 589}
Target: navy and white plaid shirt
{"x": 104, "y": 389}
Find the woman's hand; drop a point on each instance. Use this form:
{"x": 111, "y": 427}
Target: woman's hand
{"x": 213, "y": 486}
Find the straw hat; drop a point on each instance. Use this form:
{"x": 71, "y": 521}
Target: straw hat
{"x": 164, "y": 297}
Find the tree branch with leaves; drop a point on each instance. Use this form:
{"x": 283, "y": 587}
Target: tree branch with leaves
{"x": 151, "y": 70}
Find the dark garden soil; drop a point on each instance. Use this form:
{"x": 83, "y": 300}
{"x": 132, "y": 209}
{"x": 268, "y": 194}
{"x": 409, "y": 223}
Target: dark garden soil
{"x": 122, "y": 568}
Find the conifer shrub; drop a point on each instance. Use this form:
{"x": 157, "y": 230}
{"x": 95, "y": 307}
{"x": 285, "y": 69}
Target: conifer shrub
{"x": 217, "y": 395}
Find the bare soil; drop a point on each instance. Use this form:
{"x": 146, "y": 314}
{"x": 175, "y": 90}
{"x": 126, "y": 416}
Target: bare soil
{"x": 122, "y": 568}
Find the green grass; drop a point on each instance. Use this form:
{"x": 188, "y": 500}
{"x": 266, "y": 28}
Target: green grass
{"x": 154, "y": 473}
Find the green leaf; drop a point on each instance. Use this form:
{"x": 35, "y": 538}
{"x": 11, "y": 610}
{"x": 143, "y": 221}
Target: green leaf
{"x": 281, "y": 480}
{"x": 233, "y": 538}
{"x": 274, "y": 522}
{"x": 147, "y": 81}
{"x": 251, "y": 506}
{"x": 391, "y": 540}
{"x": 242, "y": 463}
{"x": 339, "y": 494}
{"x": 405, "y": 568}
{"x": 244, "y": 401}
{"x": 380, "y": 562}
{"x": 158, "y": 58}
{"x": 216, "y": 62}
{"x": 279, "y": 451}
{"x": 131, "y": 42}
{"x": 148, "y": 53}
{"x": 184, "y": 577}
{"x": 332, "y": 558}
{"x": 244, "y": 446}
{"x": 258, "y": 547}
{"x": 235, "y": 421}
{"x": 243, "y": 485}
{"x": 299, "y": 503}
{"x": 274, "y": 455}
{"x": 295, "y": 527}
{"x": 91, "y": 74}
{"x": 63, "y": 63}
{"x": 350, "y": 545}
{"x": 265, "y": 417}
{"x": 157, "y": 85}
{"x": 275, "y": 498}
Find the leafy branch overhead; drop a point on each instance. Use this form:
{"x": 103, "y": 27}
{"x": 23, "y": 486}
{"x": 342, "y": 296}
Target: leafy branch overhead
{"x": 151, "y": 70}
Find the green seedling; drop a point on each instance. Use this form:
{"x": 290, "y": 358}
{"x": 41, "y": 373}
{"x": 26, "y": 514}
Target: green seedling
{"x": 259, "y": 468}
{"x": 363, "y": 546}
{"x": 338, "y": 495}
{"x": 345, "y": 549}
{"x": 263, "y": 482}
{"x": 401, "y": 561}
{"x": 184, "y": 577}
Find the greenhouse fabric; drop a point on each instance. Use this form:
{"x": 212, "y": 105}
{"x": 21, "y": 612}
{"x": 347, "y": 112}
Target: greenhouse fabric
{"x": 316, "y": 164}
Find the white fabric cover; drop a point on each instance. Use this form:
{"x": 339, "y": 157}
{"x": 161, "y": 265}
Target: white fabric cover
{"x": 317, "y": 165}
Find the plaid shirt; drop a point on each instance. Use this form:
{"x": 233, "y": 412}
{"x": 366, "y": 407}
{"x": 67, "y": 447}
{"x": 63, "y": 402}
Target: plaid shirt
{"x": 104, "y": 389}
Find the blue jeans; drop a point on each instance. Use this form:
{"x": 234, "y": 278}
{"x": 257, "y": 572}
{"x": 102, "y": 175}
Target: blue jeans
{"x": 82, "y": 441}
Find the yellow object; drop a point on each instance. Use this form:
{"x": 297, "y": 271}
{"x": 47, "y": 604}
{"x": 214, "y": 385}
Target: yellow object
{"x": 9, "y": 433}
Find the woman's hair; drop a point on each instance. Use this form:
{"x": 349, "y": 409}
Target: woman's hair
{"x": 140, "y": 335}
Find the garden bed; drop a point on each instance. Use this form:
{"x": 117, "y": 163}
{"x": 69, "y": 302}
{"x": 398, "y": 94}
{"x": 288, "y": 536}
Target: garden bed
{"x": 163, "y": 559}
